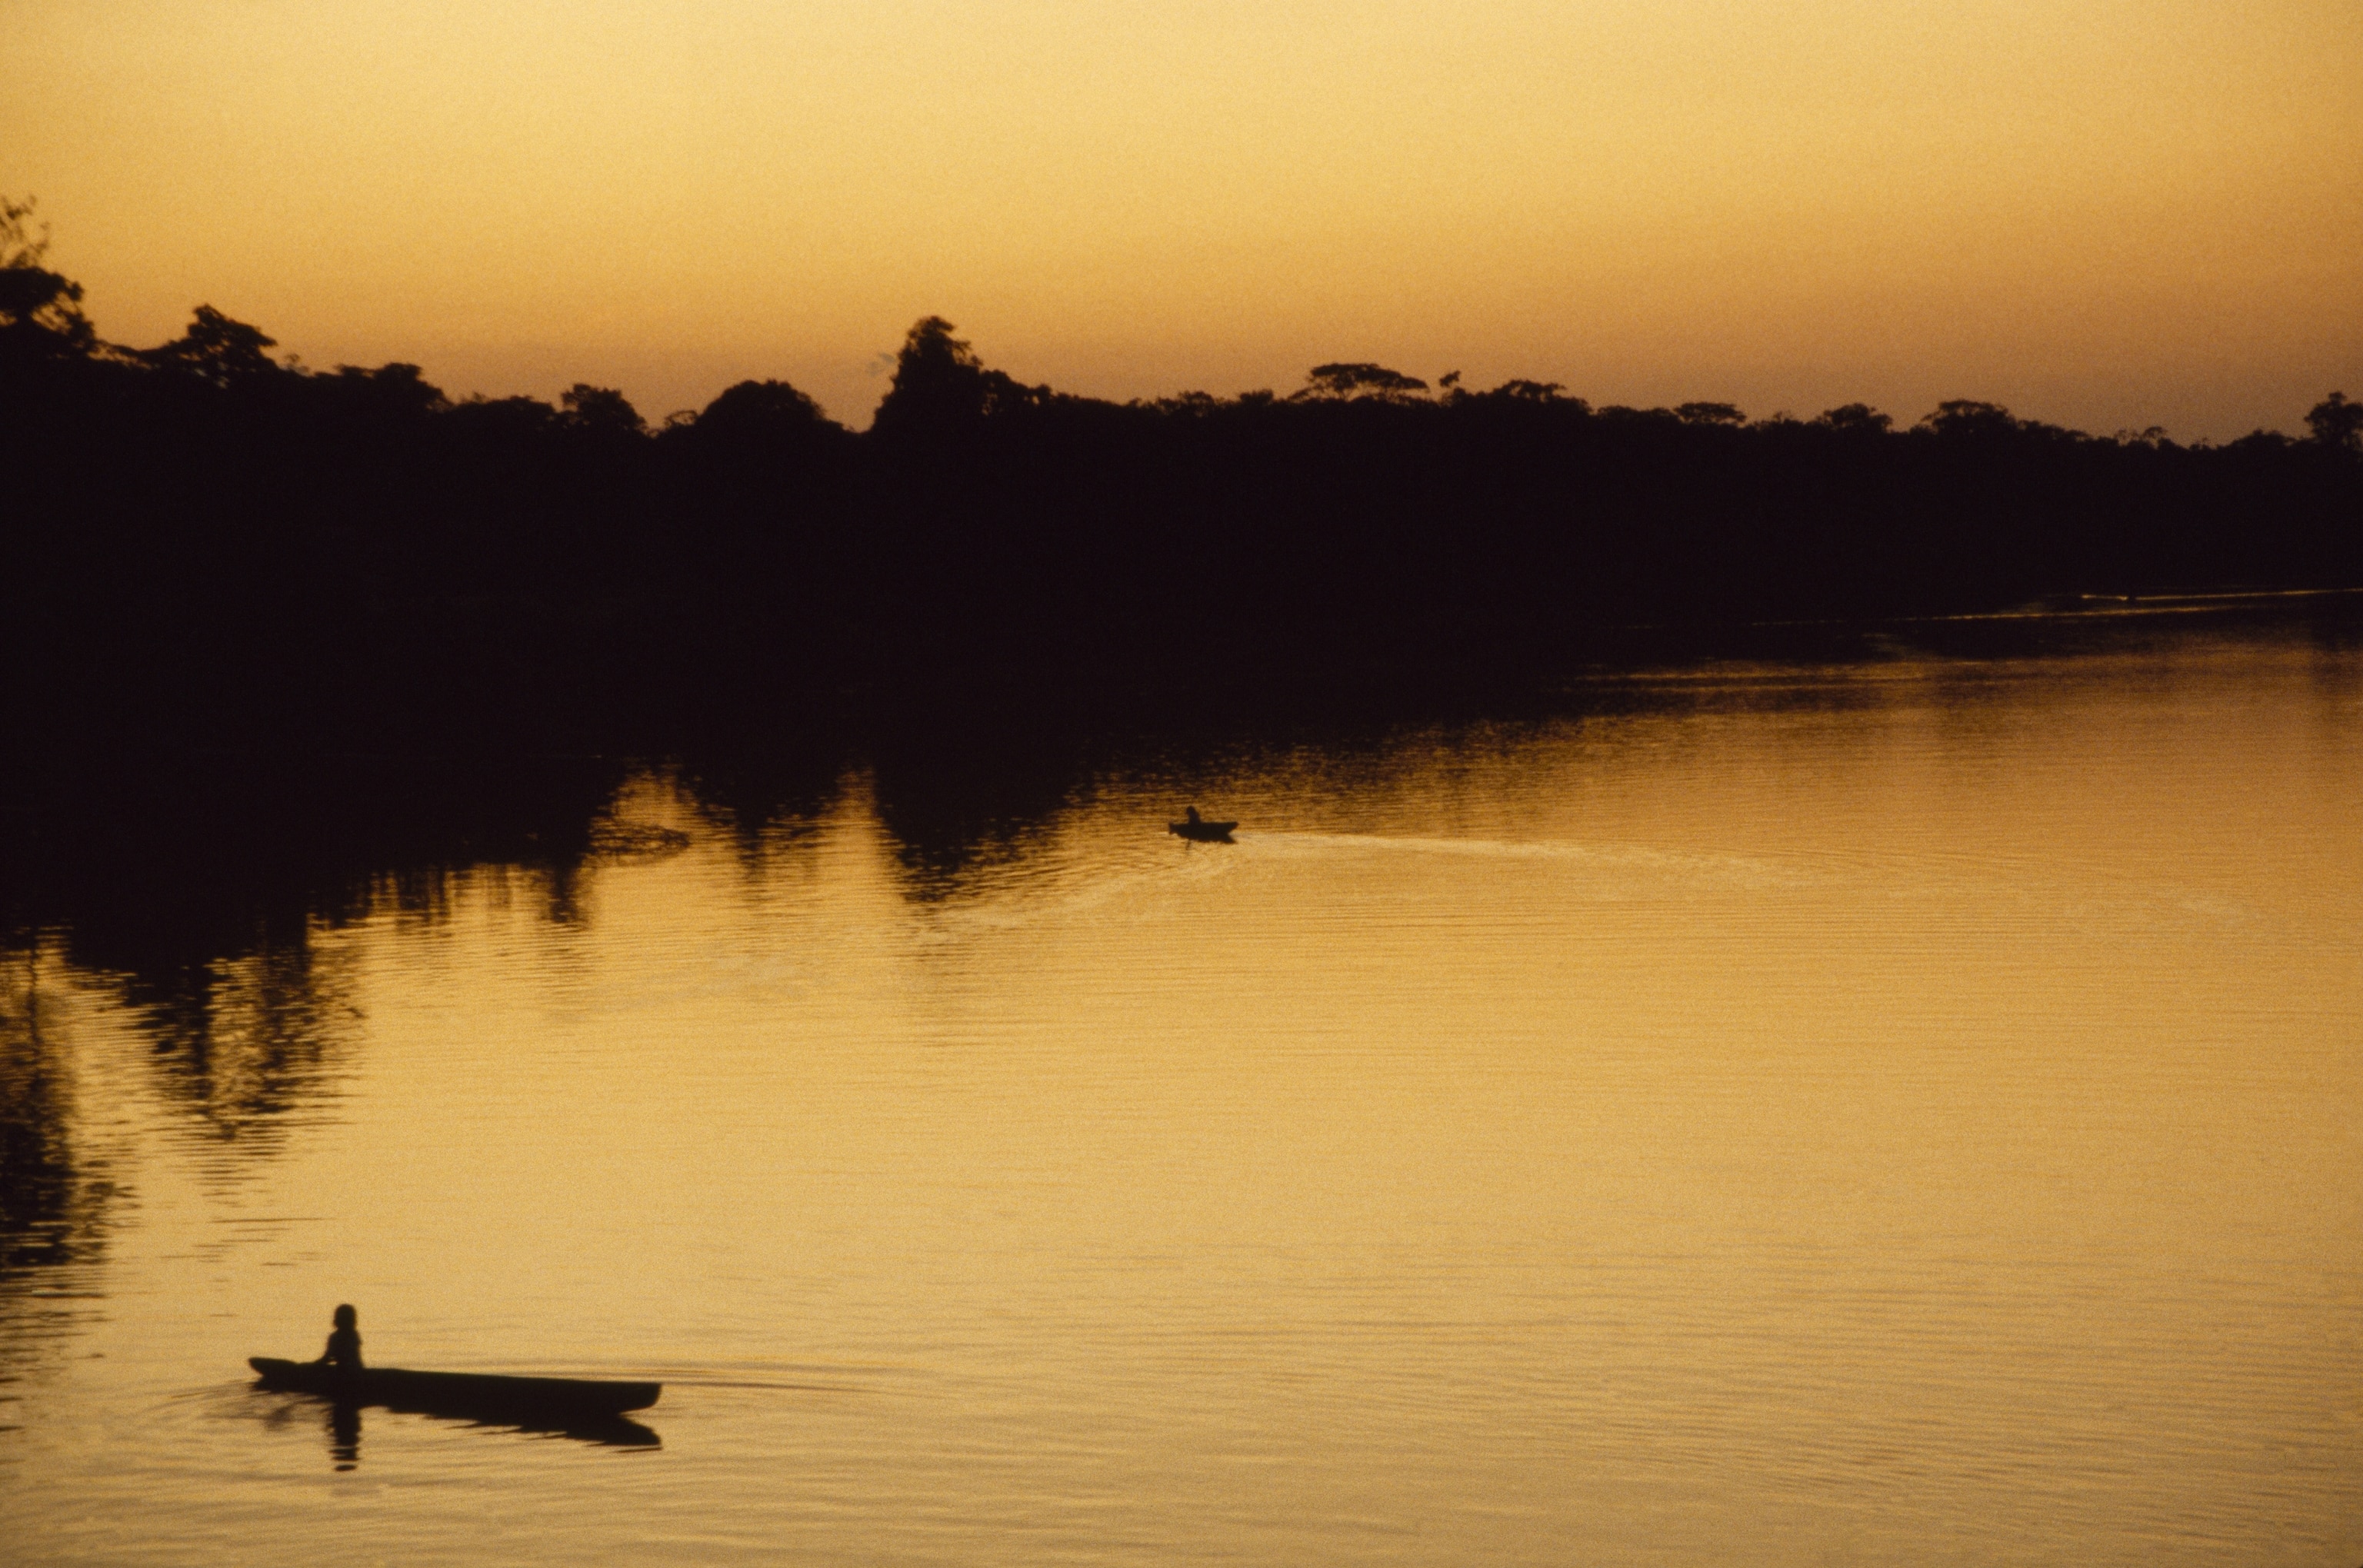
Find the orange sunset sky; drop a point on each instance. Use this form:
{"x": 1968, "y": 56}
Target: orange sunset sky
{"x": 2105, "y": 213}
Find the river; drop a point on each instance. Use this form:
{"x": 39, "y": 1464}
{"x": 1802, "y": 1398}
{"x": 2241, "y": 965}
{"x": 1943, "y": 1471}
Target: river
{"x": 1900, "y": 1110}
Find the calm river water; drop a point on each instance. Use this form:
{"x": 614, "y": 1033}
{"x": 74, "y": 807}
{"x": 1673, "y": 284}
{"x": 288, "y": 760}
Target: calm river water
{"x": 1902, "y": 1112}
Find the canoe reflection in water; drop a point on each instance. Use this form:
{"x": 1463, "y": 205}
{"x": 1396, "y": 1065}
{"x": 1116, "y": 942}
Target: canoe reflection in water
{"x": 344, "y": 1429}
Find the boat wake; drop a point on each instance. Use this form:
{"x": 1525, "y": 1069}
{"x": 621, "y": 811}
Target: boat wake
{"x": 1624, "y": 857}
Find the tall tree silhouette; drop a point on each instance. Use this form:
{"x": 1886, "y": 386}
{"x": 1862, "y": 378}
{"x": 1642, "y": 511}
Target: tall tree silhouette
{"x": 941, "y": 389}
{"x": 218, "y": 349}
{"x": 2338, "y": 422}
{"x": 41, "y": 310}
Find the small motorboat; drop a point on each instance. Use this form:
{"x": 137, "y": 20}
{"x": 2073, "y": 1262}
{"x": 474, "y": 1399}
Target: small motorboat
{"x": 1199, "y": 830}
{"x": 524, "y": 1400}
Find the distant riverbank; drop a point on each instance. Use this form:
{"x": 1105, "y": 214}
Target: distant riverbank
{"x": 204, "y": 542}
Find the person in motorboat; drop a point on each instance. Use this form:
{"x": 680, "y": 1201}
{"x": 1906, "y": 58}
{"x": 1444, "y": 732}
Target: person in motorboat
{"x": 345, "y": 1344}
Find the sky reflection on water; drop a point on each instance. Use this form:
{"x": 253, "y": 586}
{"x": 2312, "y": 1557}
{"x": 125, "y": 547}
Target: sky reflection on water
{"x": 1900, "y": 1110}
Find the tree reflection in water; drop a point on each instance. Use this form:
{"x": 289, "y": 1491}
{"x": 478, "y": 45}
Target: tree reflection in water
{"x": 196, "y": 892}
{"x": 195, "y": 899}
{"x": 47, "y": 1209}
{"x": 244, "y": 1042}
{"x": 54, "y": 1196}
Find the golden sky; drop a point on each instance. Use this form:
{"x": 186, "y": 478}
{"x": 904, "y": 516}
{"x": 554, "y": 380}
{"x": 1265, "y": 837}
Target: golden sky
{"x": 2102, "y": 213}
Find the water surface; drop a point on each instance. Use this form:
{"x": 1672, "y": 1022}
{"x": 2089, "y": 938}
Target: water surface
{"x": 1906, "y": 1111}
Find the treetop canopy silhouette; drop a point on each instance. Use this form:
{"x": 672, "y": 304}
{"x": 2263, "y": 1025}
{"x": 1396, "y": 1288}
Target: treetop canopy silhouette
{"x": 1351, "y": 380}
{"x": 202, "y": 526}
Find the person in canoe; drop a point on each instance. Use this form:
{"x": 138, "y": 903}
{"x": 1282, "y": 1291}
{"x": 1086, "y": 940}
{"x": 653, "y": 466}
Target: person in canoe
{"x": 345, "y": 1344}
{"x": 1195, "y": 826}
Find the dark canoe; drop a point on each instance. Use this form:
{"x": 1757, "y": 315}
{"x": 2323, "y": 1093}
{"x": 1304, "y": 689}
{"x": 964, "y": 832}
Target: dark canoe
{"x": 522, "y": 1399}
{"x": 1203, "y": 832}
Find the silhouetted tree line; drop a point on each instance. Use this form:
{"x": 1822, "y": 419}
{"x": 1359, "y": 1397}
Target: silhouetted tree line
{"x": 198, "y": 534}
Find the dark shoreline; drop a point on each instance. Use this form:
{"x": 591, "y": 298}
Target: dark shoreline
{"x": 207, "y": 547}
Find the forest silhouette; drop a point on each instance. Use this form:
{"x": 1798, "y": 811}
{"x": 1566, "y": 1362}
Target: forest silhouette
{"x": 206, "y": 542}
